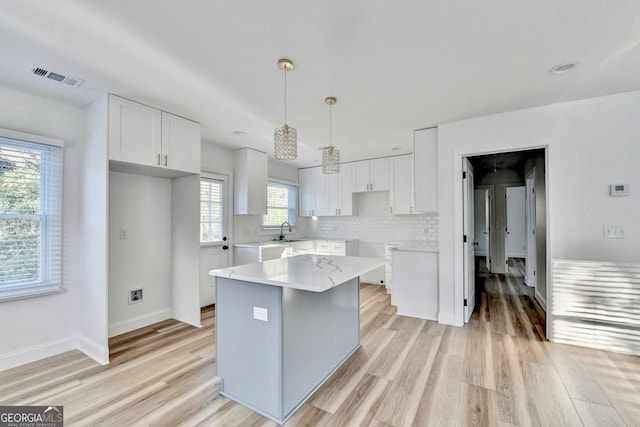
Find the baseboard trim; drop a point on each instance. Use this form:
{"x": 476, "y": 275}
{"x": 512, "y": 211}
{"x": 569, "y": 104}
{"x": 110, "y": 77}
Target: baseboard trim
{"x": 138, "y": 322}
{"x": 448, "y": 320}
{"x": 99, "y": 353}
{"x": 37, "y": 352}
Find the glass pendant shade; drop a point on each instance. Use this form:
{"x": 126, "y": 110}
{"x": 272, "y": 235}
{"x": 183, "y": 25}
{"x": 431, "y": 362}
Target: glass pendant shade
{"x": 330, "y": 160}
{"x": 285, "y": 144}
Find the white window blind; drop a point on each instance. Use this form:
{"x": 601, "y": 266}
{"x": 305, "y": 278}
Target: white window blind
{"x": 211, "y": 210}
{"x": 30, "y": 218}
{"x": 282, "y": 204}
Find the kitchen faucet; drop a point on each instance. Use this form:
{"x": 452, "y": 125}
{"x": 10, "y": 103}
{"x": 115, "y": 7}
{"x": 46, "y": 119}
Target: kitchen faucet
{"x": 282, "y": 229}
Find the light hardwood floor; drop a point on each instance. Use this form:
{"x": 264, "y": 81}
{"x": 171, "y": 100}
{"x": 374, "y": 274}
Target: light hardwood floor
{"x": 496, "y": 371}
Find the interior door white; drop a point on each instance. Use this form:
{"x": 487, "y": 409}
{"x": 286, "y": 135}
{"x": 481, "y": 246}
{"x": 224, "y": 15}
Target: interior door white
{"x": 215, "y": 255}
{"x": 469, "y": 239}
{"x": 530, "y": 263}
{"x": 515, "y": 243}
{"x": 480, "y": 221}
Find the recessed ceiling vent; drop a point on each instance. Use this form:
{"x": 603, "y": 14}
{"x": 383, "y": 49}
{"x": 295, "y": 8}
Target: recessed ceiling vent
{"x": 67, "y": 80}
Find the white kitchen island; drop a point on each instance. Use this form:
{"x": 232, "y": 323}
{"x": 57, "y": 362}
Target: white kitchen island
{"x": 284, "y": 326}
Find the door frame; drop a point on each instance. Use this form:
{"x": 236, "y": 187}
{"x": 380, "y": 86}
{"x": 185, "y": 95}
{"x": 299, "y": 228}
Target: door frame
{"x": 468, "y": 216}
{"x": 530, "y": 278}
{"x": 211, "y": 248}
{"x": 456, "y": 244}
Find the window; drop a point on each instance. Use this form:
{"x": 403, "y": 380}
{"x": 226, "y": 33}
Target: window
{"x": 30, "y": 217}
{"x": 211, "y": 210}
{"x": 282, "y": 203}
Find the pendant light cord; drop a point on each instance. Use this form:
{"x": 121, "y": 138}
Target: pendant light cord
{"x": 330, "y": 126}
{"x": 285, "y": 96}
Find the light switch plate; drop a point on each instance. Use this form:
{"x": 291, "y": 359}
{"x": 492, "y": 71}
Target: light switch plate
{"x": 260, "y": 313}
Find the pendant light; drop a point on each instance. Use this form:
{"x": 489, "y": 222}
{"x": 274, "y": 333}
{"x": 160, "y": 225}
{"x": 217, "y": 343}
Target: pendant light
{"x": 330, "y": 154}
{"x": 285, "y": 138}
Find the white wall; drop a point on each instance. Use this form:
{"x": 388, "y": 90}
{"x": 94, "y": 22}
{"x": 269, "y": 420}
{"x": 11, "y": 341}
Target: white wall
{"x": 38, "y": 327}
{"x": 141, "y": 206}
{"x": 94, "y": 183}
{"x": 591, "y": 144}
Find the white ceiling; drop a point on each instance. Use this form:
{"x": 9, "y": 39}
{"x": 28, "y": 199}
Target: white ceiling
{"x": 394, "y": 66}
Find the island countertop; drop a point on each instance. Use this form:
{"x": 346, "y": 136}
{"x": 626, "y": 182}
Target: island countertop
{"x": 315, "y": 273}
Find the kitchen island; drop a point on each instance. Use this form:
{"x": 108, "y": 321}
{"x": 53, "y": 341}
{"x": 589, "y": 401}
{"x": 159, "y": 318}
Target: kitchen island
{"x": 284, "y": 326}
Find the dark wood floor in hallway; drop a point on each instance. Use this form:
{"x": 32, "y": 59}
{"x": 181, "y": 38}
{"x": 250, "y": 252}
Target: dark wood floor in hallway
{"x": 498, "y": 370}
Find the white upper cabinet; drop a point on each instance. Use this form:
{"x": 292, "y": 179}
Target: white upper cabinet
{"x": 321, "y": 192}
{"x": 401, "y": 191}
{"x": 146, "y": 136}
{"x": 425, "y": 155}
{"x": 180, "y": 143}
{"x": 306, "y": 196}
{"x": 249, "y": 182}
{"x": 370, "y": 175}
{"x": 325, "y": 195}
{"x": 135, "y": 132}
{"x": 339, "y": 190}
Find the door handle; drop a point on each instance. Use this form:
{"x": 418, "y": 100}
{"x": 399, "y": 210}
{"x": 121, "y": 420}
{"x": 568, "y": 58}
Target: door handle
{"x": 225, "y": 247}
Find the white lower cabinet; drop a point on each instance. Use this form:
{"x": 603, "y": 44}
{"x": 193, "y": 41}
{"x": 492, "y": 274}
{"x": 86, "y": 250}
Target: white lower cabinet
{"x": 415, "y": 283}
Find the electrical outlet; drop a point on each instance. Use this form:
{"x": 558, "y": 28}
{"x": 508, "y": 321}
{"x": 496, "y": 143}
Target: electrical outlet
{"x": 135, "y": 295}
{"x": 260, "y": 313}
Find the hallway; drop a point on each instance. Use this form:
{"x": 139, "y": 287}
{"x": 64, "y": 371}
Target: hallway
{"x": 506, "y": 303}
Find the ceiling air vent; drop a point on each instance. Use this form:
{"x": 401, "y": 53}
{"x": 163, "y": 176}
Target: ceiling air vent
{"x": 67, "y": 80}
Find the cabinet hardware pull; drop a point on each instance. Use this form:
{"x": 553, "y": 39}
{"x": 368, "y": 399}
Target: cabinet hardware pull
{"x": 166, "y": 160}
{"x": 158, "y": 161}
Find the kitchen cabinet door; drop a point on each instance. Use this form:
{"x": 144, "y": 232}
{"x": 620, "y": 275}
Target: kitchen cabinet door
{"x": 250, "y": 182}
{"x": 306, "y": 192}
{"x": 400, "y": 193}
{"x": 321, "y": 193}
{"x": 180, "y": 143}
{"x": 370, "y": 175}
{"x": 360, "y": 176}
{"x": 425, "y": 157}
{"x": 345, "y": 193}
{"x": 135, "y": 132}
{"x": 379, "y": 174}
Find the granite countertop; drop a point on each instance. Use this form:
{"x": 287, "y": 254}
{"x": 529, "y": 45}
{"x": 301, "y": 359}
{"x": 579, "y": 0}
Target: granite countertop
{"x": 316, "y": 273}
{"x": 416, "y": 246}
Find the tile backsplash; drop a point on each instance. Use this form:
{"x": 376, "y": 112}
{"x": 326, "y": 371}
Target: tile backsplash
{"x": 378, "y": 229}
{"x": 375, "y": 224}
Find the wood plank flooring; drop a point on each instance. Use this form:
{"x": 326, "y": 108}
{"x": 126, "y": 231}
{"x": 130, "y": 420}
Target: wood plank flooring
{"x": 496, "y": 371}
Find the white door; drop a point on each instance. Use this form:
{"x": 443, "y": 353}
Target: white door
{"x": 214, "y": 232}
{"x": 530, "y": 264}
{"x": 481, "y": 226}
{"x": 515, "y": 237}
{"x": 469, "y": 239}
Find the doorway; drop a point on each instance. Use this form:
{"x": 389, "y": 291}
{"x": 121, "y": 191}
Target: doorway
{"x": 507, "y": 241}
{"x": 215, "y": 232}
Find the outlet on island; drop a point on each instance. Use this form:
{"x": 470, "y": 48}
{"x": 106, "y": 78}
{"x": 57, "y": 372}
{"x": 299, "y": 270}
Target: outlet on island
{"x": 260, "y": 313}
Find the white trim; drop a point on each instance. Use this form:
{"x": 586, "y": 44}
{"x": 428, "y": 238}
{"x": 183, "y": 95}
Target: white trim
{"x": 28, "y": 137}
{"x": 283, "y": 181}
{"x": 37, "y": 352}
{"x": 138, "y": 322}
{"x": 458, "y": 252}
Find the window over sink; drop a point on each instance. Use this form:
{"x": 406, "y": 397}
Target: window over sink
{"x": 282, "y": 204}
